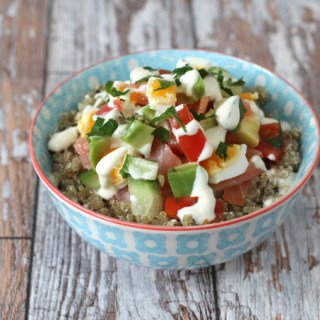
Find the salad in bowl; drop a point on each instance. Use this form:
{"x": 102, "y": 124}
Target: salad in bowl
{"x": 181, "y": 147}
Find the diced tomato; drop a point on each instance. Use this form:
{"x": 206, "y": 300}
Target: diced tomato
{"x": 164, "y": 71}
{"x": 118, "y": 104}
{"x": 219, "y": 208}
{"x": 173, "y": 205}
{"x": 174, "y": 145}
{"x": 267, "y": 150}
{"x": 139, "y": 98}
{"x": 104, "y": 109}
{"x": 236, "y": 194}
{"x": 270, "y": 130}
{"x": 191, "y": 145}
{"x": 184, "y": 115}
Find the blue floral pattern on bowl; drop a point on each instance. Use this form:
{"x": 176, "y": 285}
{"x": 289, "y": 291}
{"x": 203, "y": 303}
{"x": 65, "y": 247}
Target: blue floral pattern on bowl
{"x": 173, "y": 248}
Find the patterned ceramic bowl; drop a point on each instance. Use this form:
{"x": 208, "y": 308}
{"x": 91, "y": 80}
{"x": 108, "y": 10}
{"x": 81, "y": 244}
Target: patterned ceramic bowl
{"x": 174, "y": 247}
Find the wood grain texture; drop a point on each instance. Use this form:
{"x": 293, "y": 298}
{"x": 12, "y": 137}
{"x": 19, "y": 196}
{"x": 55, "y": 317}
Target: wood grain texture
{"x": 22, "y": 25}
{"x": 280, "y": 278}
{"x": 14, "y": 264}
{"x": 277, "y": 280}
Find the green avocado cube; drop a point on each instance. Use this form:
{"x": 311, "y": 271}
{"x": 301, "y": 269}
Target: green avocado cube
{"x": 90, "y": 179}
{"x": 182, "y": 178}
{"x": 137, "y": 134}
{"x": 97, "y": 149}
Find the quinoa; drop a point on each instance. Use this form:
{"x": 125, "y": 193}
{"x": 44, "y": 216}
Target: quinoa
{"x": 265, "y": 189}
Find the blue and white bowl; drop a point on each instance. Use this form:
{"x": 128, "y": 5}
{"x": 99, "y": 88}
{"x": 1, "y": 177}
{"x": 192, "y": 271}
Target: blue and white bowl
{"x": 174, "y": 247}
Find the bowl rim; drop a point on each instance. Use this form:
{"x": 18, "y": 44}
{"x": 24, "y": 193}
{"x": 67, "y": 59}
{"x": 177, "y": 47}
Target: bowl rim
{"x": 136, "y": 225}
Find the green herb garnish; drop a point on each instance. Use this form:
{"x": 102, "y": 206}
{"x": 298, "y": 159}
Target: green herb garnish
{"x": 102, "y": 129}
{"x": 203, "y": 72}
{"x": 179, "y": 72}
{"x": 220, "y": 79}
{"x": 169, "y": 113}
{"x": 200, "y": 116}
{"x": 239, "y": 82}
{"x": 162, "y": 133}
{"x": 243, "y": 110}
{"x": 164, "y": 84}
{"x": 149, "y": 68}
{"x": 114, "y": 91}
{"x": 222, "y": 150}
{"x": 146, "y": 78}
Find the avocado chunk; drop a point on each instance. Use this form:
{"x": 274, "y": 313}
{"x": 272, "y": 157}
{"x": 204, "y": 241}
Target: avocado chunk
{"x": 198, "y": 89}
{"x": 137, "y": 134}
{"x": 181, "y": 179}
{"x": 90, "y": 179}
{"x": 97, "y": 149}
{"x": 210, "y": 120}
{"x": 148, "y": 113}
{"x": 248, "y": 131}
{"x": 145, "y": 197}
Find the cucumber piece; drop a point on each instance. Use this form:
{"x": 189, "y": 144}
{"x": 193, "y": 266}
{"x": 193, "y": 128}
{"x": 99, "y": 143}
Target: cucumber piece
{"x": 139, "y": 168}
{"x": 148, "y": 113}
{"x": 137, "y": 134}
{"x": 90, "y": 179}
{"x": 145, "y": 197}
{"x": 210, "y": 121}
{"x": 97, "y": 149}
{"x": 181, "y": 179}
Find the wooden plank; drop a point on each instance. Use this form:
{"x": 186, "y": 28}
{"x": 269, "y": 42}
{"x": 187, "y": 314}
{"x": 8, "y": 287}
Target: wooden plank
{"x": 22, "y": 26}
{"x": 70, "y": 279}
{"x": 120, "y": 27}
{"x": 14, "y": 264}
{"x": 73, "y": 280}
{"x": 280, "y": 278}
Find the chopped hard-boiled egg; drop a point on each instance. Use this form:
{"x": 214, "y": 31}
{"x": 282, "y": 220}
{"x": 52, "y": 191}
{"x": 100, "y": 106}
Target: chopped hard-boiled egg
{"x": 108, "y": 170}
{"x": 215, "y": 135}
{"x": 161, "y": 94}
{"x": 212, "y": 88}
{"x": 234, "y": 164}
{"x": 86, "y": 121}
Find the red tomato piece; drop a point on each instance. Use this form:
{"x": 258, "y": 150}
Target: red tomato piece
{"x": 236, "y": 194}
{"x": 173, "y": 205}
{"x": 191, "y": 145}
{"x": 103, "y": 109}
{"x": 268, "y": 149}
{"x": 219, "y": 208}
{"x": 270, "y": 130}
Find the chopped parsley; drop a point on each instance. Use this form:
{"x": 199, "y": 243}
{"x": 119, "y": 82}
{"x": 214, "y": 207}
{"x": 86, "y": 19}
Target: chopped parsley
{"x": 162, "y": 133}
{"x": 149, "y": 68}
{"x": 170, "y": 113}
{"x": 220, "y": 79}
{"x": 102, "y": 129}
{"x": 164, "y": 84}
{"x": 222, "y": 150}
{"x": 200, "y": 116}
{"x": 114, "y": 91}
{"x": 239, "y": 82}
{"x": 146, "y": 78}
{"x": 179, "y": 72}
{"x": 203, "y": 72}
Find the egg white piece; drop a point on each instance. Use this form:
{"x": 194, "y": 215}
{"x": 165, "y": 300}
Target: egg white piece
{"x": 215, "y": 135}
{"x": 238, "y": 166}
{"x": 212, "y": 88}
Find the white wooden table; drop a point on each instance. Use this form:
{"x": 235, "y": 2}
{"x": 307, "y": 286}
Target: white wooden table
{"x": 46, "y": 270}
